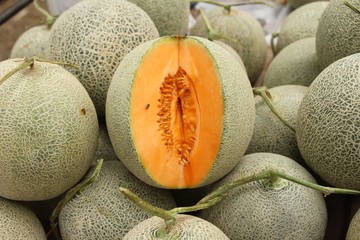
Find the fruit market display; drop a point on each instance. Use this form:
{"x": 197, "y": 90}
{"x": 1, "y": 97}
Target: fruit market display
{"x": 121, "y": 120}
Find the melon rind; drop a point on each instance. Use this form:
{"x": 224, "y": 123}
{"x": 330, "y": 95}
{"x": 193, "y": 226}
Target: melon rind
{"x": 238, "y": 119}
{"x": 298, "y": 3}
{"x": 186, "y": 227}
{"x": 95, "y": 35}
{"x": 33, "y": 42}
{"x": 296, "y": 64}
{"x": 171, "y": 17}
{"x": 354, "y": 227}
{"x": 328, "y": 124}
{"x": 301, "y": 23}
{"x": 49, "y": 131}
{"x": 338, "y": 32}
{"x": 255, "y": 211}
{"x": 18, "y": 222}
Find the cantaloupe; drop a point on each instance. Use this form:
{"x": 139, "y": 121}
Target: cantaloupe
{"x": 18, "y": 222}
{"x": 277, "y": 209}
{"x": 338, "y": 32}
{"x": 104, "y": 149}
{"x": 179, "y": 112}
{"x": 301, "y": 23}
{"x": 242, "y": 32}
{"x": 354, "y": 228}
{"x": 296, "y": 64}
{"x": 327, "y": 128}
{"x": 272, "y": 135}
{"x": 33, "y": 42}
{"x": 187, "y": 227}
{"x": 96, "y": 35}
{"x": 49, "y": 131}
{"x": 101, "y": 212}
{"x": 171, "y": 17}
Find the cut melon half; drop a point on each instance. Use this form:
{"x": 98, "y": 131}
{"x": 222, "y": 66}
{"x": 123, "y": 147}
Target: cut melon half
{"x": 177, "y": 105}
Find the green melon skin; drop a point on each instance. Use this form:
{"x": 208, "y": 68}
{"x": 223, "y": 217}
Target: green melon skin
{"x": 33, "y": 42}
{"x": 296, "y": 64}
{"x": 298, "y": 3}
{"x": 338, "y": 32}
{"x": 95, "y": 35}
{"x": 104, "y": 149}
{"x": 327, "y": 125}
{"x": 102, "y": 212}
{"x": 301, "y": 23}
{"x": 354, "y": 228}
{"x": 49, "y": 131}
{"x": 171, "y": 17}
{"x": 255, "y": 211}
{"x": 238, "y": 119}
{"x": 187, "y": 227}
{"x": 232, "y": 52}
{"x": 18, "y": 222}
{"x": 244, "y": 29}
{"x": 270, "y": 134}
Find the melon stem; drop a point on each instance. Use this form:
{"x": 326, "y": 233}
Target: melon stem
{"x": 227, "y": 7}
{"x": 347, "y": 3}
{"x": 30, "y": 62}
{"x": 267, "y": 175}
{"x": 212, "y": 34}
{"x": 265, "y": 94}
{"x": 272, "y": 42}
{"x": 50, "y": 19}
{"x": 70, "y": 194}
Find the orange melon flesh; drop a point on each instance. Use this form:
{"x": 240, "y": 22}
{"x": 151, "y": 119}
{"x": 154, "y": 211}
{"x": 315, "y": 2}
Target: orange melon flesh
{"x": 176, "y": 112}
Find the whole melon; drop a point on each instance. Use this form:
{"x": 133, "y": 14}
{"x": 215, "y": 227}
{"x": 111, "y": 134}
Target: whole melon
{"x": 338, "y": 32}
{"x": 18, "y": 222}
{"x": 101, "y": 212}
{"x": 270, "y": 134}
{"x": 296, "y": 64}
{"x": 95, "y": 35}
{"x": 260, "y": 210}
{"x": 171, "y": 17}
{"x": 180, "y": 112}
{"x": 49, "y": 131}
{"x": 327, "y": 125}
{"x": 354, "y": 227}
{"x": 242, "y": 32}
{"x": 33, "y": 42}
{"x": 298, "y": 3}
{"x": 187, "y": 227}
{"x": 301, "y": 23}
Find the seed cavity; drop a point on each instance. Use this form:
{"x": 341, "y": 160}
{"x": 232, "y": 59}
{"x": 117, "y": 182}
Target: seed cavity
{"x": 178, "y": 115}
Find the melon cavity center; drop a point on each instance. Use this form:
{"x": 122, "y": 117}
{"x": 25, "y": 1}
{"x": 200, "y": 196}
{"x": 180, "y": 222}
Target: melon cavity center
{"x": 178, "y": 110}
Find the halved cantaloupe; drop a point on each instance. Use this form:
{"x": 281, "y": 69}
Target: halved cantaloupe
{"x": 180, "y": 112}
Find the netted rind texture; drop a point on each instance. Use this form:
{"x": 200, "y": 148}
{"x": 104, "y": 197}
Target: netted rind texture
{"x": 354, "y": 227}
{"x": 301, "y": 23}
{"x": 171, "y": 17}
{"x": 338, "y": 33}
{"x": 187, "y": 227}
{"x": 232, "y": 52}
{"x": 242, "y": 32}
{"x": 102, "y": 212}
{"x": 270, "y": 134}
{"x": 95, "y": 35}
{"x": 104, "y": 149}
{"x": 328, "y": 124}
{"x": 48, "y": 128}
{"x": 298, "y": 3}
{"x": 238, "y": 118}
{"x": 18, "y": 222}
{"x": 33, "y": 42}
{"x": 254, "y": 211}
{"x": 295, "y": 64}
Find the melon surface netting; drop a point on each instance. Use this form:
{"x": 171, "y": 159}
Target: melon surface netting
{"x": 180, "y": 112}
